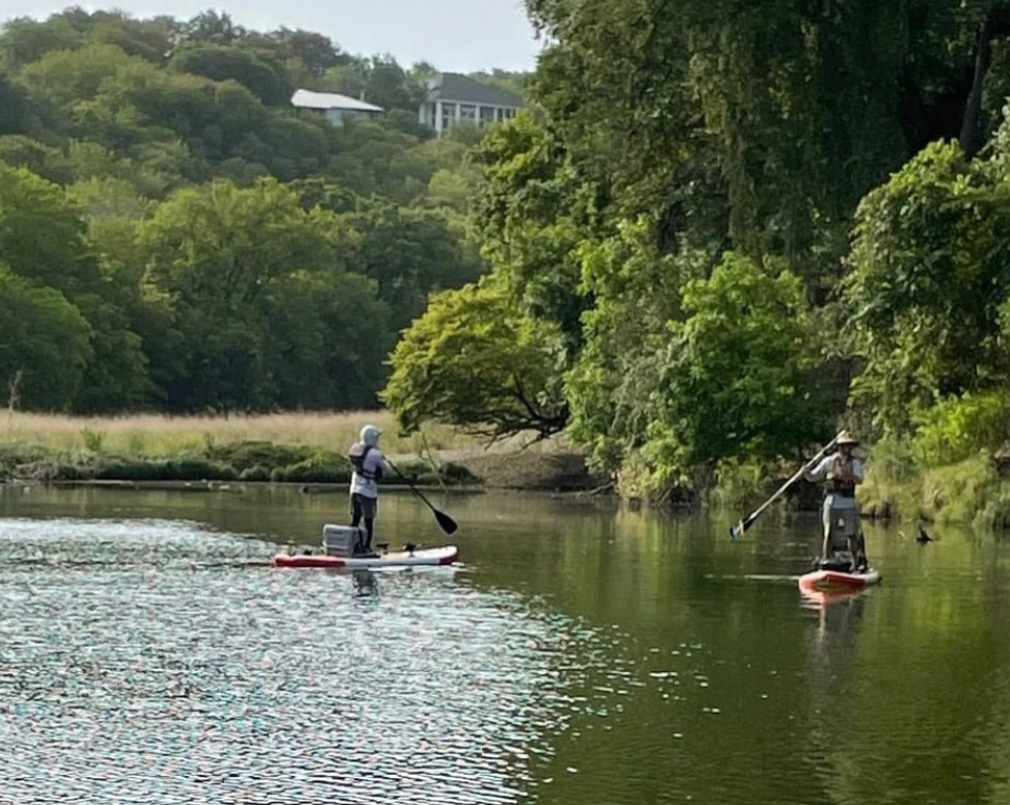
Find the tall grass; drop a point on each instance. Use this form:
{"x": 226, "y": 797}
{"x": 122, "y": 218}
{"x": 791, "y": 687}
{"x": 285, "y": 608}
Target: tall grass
{"x": 159, "y": 436}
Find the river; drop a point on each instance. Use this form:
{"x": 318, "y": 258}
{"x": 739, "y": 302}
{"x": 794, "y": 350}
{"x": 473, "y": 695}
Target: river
{"x": 581, "y": 654}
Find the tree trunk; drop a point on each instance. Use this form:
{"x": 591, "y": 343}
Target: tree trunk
{"x": 970, "y": 138}
{"x": 996, "y": 25}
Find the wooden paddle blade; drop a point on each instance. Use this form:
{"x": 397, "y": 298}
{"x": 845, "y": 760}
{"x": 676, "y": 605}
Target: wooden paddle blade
{"x": 445, "y": 522}
{"x": 736, "y": 531}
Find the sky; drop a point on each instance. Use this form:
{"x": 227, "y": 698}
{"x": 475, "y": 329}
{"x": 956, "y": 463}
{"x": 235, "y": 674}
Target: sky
{"x": 453, "y": 35}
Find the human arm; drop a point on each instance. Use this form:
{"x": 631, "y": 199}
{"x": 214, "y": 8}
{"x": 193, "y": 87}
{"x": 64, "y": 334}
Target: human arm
{"x": 820, "y": 472}
{"x": 378, "y": 464}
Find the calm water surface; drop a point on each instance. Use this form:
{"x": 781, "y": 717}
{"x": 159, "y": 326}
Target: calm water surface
{"x": 581, "y": 654}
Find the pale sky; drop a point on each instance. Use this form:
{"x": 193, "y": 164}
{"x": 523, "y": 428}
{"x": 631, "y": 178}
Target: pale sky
{"x": 454, "y": 35}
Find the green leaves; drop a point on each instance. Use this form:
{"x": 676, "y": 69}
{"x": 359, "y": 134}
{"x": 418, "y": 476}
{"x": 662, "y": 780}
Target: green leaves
{"x": 223, "y": 249}
{"x": 225, "y": 245}
{"x": 738, "y": 378}
{"x": 44, "y": 345}
{"x": 409, "y": 253}
{"x": 258, "y": 291}
{"x": 257, "y": 70}
{"x": 928, "y": 276}
{"x": 474, "y": 361}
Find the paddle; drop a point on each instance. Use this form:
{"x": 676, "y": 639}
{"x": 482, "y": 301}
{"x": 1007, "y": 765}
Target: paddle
{"x": 748, "y": 521}
{"x": 445, "y": 522}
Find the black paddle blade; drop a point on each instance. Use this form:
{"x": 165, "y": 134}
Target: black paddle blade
{"x": 445, "y": 522}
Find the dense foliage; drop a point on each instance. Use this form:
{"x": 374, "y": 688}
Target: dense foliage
{"x": 747, "y": 221}
{"x": 718, "y": 229}
{"x": 175, "y": 235}
{"x": 474, "y": 360}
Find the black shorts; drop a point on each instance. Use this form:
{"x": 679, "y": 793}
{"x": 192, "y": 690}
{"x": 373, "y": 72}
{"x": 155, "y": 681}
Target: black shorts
{"x": 364, "y": 506}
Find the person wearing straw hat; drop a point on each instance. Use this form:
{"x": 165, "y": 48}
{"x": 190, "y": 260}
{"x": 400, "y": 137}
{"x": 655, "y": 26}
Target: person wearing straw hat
{"x": 842, "y": 472}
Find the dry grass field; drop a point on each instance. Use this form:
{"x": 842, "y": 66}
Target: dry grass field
{"x": 159, "y": 436}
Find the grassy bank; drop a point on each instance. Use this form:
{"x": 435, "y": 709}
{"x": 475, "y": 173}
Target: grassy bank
{"x": 158, "y": 436}
{"x": 290, "y": 447}
{"x": 900, "y": 485}
{"x": 973, "y": 490}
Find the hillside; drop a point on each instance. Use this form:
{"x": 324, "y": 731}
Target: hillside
{"x": 174, "y": 235}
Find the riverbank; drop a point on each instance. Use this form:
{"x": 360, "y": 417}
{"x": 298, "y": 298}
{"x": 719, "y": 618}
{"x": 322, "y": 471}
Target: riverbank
{"x": 973, "y": 491}
{"x": 306, "y": 449}
{"x": 899, "y": 486}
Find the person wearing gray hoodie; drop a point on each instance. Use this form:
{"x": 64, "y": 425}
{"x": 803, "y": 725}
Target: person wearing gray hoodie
{"x": 369, "y": 466}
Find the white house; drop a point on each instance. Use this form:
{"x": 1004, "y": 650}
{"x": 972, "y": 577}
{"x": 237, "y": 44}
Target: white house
{"x": 453, "y": 98}
{"x": 335, "y": 108}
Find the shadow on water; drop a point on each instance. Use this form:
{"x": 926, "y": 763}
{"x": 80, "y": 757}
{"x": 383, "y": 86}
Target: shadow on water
{"x": 365, "y": 583}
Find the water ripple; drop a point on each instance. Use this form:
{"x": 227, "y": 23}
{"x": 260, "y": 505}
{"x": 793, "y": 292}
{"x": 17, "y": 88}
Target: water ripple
{"x": 143, "y": 662}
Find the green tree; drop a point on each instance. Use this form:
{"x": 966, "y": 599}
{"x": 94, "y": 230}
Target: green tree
{"x": 409, "y": 253}
{"x": 388, "y": 86}
{"x": 25, "y": 40}
{"x": 210, "y": 26}
{"x": 151, "y": 39}
{"x": 928, "y": 279}
{"x": 16, "y": 115}
{"x": 329, "y": 338}
{"x": 256, "y": 70}
{"x": 224, "y": 245}
{"x": 66, "y": 77}
{"x": 43, "y": 238}
{"x": 267, "y": 312}
{"x": 44, "y": 345}
{"x": 532, "y": 215}
{"x": 221, "y": 123}
{"x": 739, "y": 378}
{"x": 311, "y": 52}
{"x": 613, "y": 385}
{"x": 47, "y": 161}
{"x": 475, "y": 362}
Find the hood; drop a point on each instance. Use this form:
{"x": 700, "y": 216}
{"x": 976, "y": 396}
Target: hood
{"x": 370, "y": 435}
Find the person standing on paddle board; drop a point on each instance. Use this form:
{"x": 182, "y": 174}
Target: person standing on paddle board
{"x": 369, "y": 465}
{"x": 842, "y": 471}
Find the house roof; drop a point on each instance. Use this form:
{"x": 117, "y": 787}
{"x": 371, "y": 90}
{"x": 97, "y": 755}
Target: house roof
{"x": 460, "y": 88}
{"x": 307, "y": 99}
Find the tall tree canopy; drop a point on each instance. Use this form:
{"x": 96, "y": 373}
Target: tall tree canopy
{"x": 681, "y": 160}
{"x": 188, "y": 240}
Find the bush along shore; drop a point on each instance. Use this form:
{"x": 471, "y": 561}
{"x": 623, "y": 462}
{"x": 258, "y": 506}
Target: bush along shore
{"x": 253, "y": 461}
{"x": 904, "y": 483}
{"x": 316, "y": 468}
{"x": 974, "y": 490}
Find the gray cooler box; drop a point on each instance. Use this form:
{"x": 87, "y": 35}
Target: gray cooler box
{"x": 341, "y": 540}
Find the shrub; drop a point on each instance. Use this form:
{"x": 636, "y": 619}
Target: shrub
{"x": 960, "y": 427}
{"x": 314, "y": 470}
{"x": 186, "y": 469}
{"x": 257, "y": 473}
{"x": 248, "y": 454}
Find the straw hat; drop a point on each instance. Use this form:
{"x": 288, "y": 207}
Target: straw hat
{"x": 846, "y": 438}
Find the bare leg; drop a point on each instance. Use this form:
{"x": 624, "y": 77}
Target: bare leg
{"x": 854, "y": 553}
{"x": 857, "y": 545}
{"x": 826, "y": 546}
